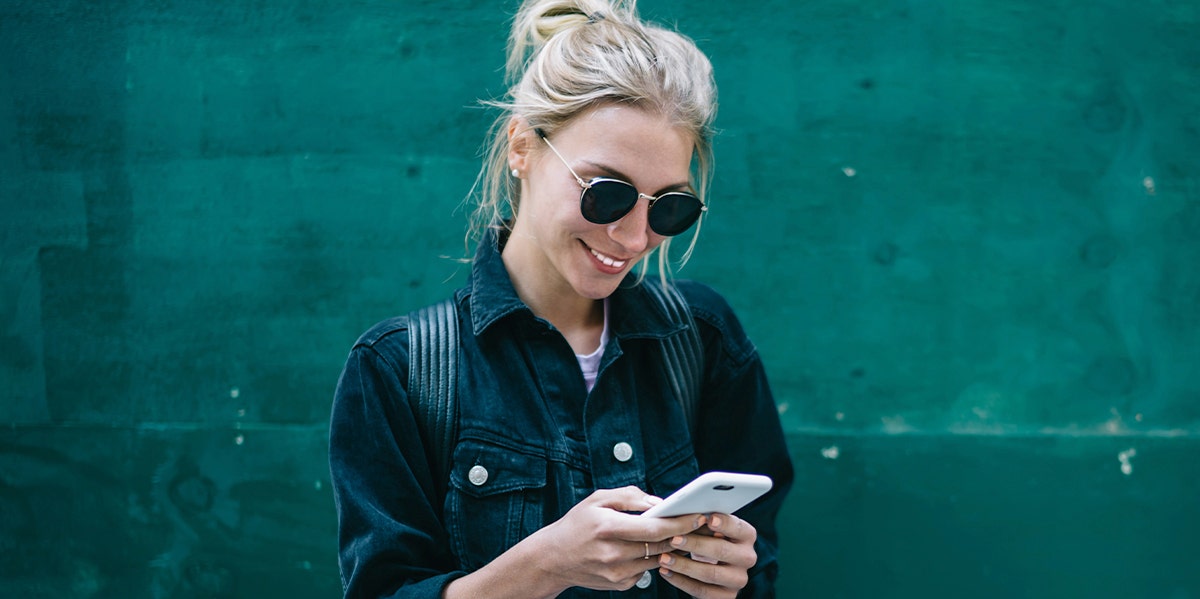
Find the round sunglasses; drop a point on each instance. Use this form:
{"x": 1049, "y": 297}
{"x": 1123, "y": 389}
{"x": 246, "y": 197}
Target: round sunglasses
{"x": 605, "y": 201}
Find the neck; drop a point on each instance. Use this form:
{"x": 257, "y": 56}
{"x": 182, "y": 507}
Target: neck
{"x": 579, "y": 319}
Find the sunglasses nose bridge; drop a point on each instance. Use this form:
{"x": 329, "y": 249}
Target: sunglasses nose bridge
{"x": 632, "y": 229}
{"x": 650, "y": 201}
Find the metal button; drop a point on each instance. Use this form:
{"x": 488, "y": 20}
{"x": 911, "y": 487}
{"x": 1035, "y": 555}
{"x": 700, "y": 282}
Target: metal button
{"x": 644, "y": 581}
{"x": 622, "y": 451}
{"x": 477, "y": 475}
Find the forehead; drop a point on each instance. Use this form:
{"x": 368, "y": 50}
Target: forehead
{"x": 640, "y": 143}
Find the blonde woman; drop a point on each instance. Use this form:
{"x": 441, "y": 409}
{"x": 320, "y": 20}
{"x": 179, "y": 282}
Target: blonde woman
{"x": 569, "y": 415}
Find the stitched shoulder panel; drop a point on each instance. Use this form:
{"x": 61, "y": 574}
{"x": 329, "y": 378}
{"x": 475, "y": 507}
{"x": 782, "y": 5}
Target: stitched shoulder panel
{"x": 382, "y": 330}
{"x": 386, "y": 330}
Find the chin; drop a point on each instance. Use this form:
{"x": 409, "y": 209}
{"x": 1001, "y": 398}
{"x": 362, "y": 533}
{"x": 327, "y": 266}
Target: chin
{"x": 597, "y": 291}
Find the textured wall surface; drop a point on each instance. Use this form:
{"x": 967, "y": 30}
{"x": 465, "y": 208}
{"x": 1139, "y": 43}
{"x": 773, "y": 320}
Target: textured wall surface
{"x": 965, "y": 237}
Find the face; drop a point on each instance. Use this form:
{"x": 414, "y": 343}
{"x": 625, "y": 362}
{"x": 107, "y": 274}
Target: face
{"x": 553, "y": 250}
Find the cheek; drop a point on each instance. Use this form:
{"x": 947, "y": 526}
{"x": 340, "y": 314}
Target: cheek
{"x": 537, "y": 208}
{"x": 556, "y": 203}
{"x": 654, "y": 241}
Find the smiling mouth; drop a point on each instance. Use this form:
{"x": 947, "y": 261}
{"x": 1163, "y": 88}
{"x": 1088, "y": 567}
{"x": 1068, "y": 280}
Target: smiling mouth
{"x": 608, "y": 260}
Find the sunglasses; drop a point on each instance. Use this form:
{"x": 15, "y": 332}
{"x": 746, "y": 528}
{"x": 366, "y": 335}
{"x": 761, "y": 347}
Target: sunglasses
{"x": 605, "y": 201}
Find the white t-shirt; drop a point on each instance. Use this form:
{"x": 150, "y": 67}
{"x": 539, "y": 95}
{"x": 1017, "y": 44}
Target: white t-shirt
{"x": 590, "y": 364}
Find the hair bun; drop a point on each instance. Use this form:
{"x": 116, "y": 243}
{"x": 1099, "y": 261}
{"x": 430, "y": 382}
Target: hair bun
{"x": 538, "y": 21}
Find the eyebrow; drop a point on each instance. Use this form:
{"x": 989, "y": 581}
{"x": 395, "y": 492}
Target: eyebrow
{"x": 612, "y": 173}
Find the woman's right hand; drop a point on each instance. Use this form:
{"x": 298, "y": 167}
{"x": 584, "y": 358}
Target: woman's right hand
{"x": 601, "y": 544}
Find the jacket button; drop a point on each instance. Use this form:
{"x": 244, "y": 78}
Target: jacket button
{"x": 644, "y": 581}
{"x": 477, "y": 475}
{"x": 622, "y": 451}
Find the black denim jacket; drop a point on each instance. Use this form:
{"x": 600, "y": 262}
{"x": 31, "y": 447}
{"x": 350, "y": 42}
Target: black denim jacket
{"x": 545, "y": 443}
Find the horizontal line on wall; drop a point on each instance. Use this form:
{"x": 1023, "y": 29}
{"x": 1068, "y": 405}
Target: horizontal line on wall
{"x": 175, "y": 426}
{"x": 186, "y": 426}
{"x": 1174, "y": 433}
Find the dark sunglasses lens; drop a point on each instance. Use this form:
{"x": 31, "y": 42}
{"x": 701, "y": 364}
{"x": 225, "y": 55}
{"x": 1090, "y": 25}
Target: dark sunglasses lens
{"x": 674, "y": 213}
{"x": 607, "y": 201}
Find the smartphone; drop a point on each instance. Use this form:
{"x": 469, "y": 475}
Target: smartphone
{"x": 719, "y": 492}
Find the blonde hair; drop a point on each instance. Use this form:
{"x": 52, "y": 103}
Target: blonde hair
{"x": 568, "y": 56}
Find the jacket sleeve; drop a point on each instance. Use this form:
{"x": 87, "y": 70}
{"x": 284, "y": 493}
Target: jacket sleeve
{"x": 392, "y": 542}
{"x": 738, "y": 427}
{"x": 751, "y": 417}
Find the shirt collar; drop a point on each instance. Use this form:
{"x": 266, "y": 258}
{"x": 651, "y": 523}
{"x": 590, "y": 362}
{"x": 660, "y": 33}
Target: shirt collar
{"x": 633, "y": 312}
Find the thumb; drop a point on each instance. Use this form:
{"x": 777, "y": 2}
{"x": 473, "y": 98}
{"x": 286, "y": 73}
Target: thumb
{"x": 626, "y": 499}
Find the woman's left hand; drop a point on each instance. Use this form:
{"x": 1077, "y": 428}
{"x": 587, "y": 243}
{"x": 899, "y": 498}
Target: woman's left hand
{"x": 713, "y": 565}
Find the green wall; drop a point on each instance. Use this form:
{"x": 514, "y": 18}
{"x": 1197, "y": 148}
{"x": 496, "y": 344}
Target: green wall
{"x": 964, "y": 235}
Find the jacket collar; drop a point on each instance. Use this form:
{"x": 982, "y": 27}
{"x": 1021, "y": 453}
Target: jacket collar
{"x": 492, "y": 294}
{"x": 633, "y": 312}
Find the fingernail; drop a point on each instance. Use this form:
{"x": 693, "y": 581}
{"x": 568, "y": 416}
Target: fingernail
{"x": 652, "y": 500}
{"x": 666, "y": 559}
{"x": 678, "y": 541}
{"x": 701, "y": 520}
{"x": 716, "y": 521}
{"x": 665, "y": 573}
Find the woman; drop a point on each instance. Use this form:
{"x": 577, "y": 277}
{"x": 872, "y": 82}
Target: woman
{"x": 567, "y": 421}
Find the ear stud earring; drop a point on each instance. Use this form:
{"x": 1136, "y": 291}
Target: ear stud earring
{"x": 516, "y": 173}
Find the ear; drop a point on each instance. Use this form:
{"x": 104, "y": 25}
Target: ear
{"x": 521, "y": 142}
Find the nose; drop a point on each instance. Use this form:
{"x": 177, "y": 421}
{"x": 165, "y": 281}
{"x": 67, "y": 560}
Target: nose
{"x": 632, "y": 231}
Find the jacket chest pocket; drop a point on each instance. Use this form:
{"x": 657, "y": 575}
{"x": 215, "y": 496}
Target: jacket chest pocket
{"x": 494, "y": 501}
{"x": 669, "y": 476}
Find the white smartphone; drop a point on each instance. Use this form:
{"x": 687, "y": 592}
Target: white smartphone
{"x": 712, "y": 492}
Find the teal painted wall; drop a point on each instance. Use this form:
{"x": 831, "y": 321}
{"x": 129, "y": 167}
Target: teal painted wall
{"x": 965, "y": 236}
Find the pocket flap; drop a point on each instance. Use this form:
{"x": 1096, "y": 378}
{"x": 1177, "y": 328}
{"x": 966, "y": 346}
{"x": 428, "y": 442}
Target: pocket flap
{"x": 481, "y": 469}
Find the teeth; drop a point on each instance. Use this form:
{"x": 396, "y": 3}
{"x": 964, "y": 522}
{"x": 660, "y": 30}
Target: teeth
{"x": 607, "y": 260}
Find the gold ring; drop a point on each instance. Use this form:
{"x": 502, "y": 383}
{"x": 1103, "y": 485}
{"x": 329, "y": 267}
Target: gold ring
{"x": 647, "y": 551}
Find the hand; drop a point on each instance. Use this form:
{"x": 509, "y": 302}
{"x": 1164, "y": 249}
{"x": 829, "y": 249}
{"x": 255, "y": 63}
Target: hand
{"x": 713, "y": 565}
{"x": 597, "y": 545}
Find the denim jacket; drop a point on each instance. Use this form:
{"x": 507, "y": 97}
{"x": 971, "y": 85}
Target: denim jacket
{"x": 533, "y": 442}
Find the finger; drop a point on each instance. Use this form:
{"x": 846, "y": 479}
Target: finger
{"x": 649, "y": 551}
{"x": 706, "y": 549}
{"x": 659, "y": 529}
{"x": 732, "y": 527}
{"x": 713, "y": 550}
{"x": 657, "y": 532}
{"x": 625, "y": 499}
{"x": 690, "y": 587}
{"x": 682, "y": 569}
{"x": 660, "y": 547}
